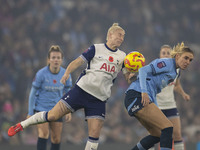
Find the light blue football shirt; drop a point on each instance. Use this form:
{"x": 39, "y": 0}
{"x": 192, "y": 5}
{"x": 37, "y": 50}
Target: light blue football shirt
{"x": 155, "y": 76}
{"x": 47, "y": 89}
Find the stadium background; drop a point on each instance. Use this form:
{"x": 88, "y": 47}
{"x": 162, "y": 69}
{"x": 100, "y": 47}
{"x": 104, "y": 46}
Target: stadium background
{"x": 29, "y": 27}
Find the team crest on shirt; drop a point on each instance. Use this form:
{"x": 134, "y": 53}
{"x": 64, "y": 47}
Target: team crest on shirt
{"x": 161, "y": 64}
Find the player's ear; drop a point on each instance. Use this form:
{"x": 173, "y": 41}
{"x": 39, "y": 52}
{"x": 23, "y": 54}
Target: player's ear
{"x": 109, "y": 35}
{"x": 177, "y": 56}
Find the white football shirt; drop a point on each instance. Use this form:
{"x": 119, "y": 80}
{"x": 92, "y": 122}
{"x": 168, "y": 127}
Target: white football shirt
{"x": 165, "y": 98}
{"x": 103, "y": 66}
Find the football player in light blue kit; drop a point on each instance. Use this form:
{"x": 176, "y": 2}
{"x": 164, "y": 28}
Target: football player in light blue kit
{"x": 140, "y": 100}
{"x": 92, "y": 89}
{"x": 167, "y": 103}
{"x": 46, "y": 91}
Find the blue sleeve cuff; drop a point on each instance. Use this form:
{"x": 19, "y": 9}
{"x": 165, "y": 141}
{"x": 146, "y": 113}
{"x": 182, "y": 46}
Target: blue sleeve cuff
{"x": 31, "y": 103}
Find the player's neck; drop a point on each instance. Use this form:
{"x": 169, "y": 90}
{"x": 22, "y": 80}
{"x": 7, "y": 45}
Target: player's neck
{"x": 111, "y": 46}
{"x": 54, "y": 70}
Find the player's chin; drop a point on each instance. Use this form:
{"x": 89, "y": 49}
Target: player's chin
{"x": 184, "y": 67}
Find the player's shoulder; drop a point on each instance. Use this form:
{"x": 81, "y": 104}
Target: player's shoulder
{"x": 166, "y": 61}
{"x": 99, "y": 44}
{"x": 98, "y": 47}
{"x": 43, "y": 70}
{"x": 122, "y": 52}
{"x": 62, "y": 69}
{"x": 103, "y": 45}
{"x": 163, "y": 63}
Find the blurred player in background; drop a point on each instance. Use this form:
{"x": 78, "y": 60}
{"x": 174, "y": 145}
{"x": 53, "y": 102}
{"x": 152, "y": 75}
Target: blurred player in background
{"x": 46, "y": 91}
{"x": 92, "y": 89}
{"x": 140, "y": 100}
{"x": 167, "y": 103}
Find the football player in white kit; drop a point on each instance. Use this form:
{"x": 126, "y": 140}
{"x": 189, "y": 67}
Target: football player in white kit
{"x": 166, "y": 101}
{"x": 92, "y": 89}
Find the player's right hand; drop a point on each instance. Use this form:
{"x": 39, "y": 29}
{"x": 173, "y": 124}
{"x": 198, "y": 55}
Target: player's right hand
{"x": 64, "y": 78}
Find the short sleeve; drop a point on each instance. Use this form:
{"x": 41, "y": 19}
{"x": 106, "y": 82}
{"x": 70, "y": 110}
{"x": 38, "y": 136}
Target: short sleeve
{"x": 38, "y": 79}
{"x": 161, "y": 65}
{"x": 89, "y": 53}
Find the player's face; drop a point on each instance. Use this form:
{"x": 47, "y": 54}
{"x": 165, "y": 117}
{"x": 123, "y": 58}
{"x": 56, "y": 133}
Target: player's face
{"x": 184, "y": 60}
{"x": 165, "y": 53}
{"x": 116, "y": 38}
{"x": 55, "y": 59}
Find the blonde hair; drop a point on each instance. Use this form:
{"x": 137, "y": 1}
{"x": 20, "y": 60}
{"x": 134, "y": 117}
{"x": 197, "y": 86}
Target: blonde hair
{"x": 180, "y": 49}
{"x": 54, "y": 48}
{"x": 113, "y": 28}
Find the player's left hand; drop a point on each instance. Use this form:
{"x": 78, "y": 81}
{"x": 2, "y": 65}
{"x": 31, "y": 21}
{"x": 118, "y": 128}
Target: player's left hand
{"x": 68, "y": 117}
{"x": 64, "y": 78}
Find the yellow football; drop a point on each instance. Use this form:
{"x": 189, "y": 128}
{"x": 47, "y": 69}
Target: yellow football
{"x": 134, "y": 61}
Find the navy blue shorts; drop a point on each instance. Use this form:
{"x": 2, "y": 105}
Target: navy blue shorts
{"x": 77, "y": 98}
{"x": 132, "y": 102}
{"x": 170, "y": 113}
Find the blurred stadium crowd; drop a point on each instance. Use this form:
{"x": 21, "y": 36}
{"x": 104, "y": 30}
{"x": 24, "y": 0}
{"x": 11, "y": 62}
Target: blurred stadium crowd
{"x": 29, "y": 27}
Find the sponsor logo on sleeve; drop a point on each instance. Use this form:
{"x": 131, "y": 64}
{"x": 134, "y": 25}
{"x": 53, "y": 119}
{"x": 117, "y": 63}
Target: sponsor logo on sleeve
{"x": 161, "y": 64}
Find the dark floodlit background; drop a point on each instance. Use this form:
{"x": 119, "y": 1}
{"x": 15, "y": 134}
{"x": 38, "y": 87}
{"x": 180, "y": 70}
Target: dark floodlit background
{"x": 29, "y": 27}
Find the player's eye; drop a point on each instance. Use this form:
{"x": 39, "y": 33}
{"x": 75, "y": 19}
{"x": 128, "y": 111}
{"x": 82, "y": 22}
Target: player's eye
{"x": 53, "y": 57}
{"x": 187, "y": 58}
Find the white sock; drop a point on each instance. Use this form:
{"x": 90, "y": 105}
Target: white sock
{"x": 179, "y": 146}
{"x": 91, "y": 145}
{"x": 35, "y": 119}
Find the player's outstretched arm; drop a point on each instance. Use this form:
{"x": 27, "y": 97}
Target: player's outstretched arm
{"x": 71, "y": 68}
{"x": 178, "y": 88}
